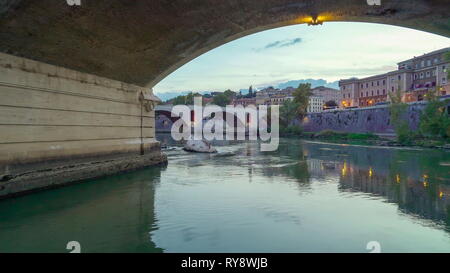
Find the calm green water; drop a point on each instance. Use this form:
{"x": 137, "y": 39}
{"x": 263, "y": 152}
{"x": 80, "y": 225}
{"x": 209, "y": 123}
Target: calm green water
{"x": 306, "y": 197}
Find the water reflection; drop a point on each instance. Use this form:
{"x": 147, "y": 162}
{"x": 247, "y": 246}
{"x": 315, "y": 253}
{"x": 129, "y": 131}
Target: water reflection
{"x": 304, "y": 197}
{"x": 112, "y": 214}
{"x": 414, "y": 180}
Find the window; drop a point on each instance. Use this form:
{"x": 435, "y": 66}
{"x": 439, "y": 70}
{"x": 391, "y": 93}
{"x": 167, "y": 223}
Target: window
{"x": 378, "y": 92}
{"x": 436, "y": 60}
{"x": 422, "y": 64}
{"x": 344, "y": 87}
{"x": 384, "y": 91}
{"x": 415, "y": 76}
{"x": 421, "y": 75}
{"x": 378, "y": 83}
{"x": 392, "y": 89}
{"x": 384, "y": 82}
{"x": 433, "y": 73}
{"x": 428, "y": 62}
{"x": 399, "y": 77}
{"x": 428, "y": 74}
{"x": 367, "y": 93}
{"x": 362, "y": 94}
{"x": 367, "y": 85}
{"x": 372, "y": 92}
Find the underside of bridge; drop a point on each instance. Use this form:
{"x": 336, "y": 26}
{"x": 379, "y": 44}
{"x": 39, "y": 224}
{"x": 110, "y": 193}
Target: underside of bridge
{"x": 141, "y": 42}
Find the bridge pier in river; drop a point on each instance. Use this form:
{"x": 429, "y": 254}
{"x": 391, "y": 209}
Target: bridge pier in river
{"x": 60, "y": 126}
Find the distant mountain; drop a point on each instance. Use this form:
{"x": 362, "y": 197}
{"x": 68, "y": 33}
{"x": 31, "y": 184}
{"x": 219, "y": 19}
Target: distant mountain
{"x": 314, "y": 83}
{"x": 243, "y": 91}
{"x": 164, "y": 96}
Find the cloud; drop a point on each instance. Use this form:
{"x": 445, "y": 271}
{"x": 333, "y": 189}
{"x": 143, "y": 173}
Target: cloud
{"x": 280, "y": 44}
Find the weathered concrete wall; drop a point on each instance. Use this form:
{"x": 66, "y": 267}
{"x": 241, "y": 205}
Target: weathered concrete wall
{"x": 51, "y": 117}
{"x": 361, "y": 120}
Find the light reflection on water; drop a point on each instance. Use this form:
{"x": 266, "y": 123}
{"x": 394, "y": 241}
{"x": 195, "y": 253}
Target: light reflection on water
{"x": 304, "y": 197}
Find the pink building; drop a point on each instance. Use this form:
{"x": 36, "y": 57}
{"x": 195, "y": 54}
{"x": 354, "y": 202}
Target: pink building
{"x": 414, "y": 78}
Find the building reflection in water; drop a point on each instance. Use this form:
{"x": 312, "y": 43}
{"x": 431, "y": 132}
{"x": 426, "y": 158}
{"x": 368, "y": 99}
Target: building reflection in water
{"x": 419, "y": 186}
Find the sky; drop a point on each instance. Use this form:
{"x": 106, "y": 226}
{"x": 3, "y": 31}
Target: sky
{"x": 332, "y": 51}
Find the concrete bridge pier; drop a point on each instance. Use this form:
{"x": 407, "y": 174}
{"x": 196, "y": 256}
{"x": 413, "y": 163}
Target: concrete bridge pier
{"x": 60, "y": 126}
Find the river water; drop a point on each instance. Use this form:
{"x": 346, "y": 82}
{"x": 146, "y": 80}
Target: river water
{"x": 305, "y": 197}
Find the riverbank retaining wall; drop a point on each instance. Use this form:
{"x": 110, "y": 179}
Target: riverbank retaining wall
{"x": 361, "y": 120}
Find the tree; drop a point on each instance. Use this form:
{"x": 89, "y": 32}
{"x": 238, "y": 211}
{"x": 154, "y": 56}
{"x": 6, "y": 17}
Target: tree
{"x": 185, "y": 100}
{"x": 229, "y": 94}
{"x": 288, "y": 112}
{"x": 179, "y": 100}
{"x": 301, "y": 97}
{"x": 397, "y": 112}
{"x": 221, "y": 99}
{"x": 434, "y": 121}
{"x": 250, "y": 91}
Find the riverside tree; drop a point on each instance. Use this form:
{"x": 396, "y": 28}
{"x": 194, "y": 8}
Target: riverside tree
{"x": 301, "y": 97}
{"x": 288, "y": 112}
{"x": 221, "y": 99}
{"x": 397, "y": 112}
{"x": 434, "y": 120}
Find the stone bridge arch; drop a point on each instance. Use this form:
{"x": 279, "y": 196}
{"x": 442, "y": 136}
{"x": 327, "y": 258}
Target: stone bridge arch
{"x": 141, "y": 42}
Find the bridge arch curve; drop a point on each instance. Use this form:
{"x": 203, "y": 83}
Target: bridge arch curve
{"x": 141, "y": 42}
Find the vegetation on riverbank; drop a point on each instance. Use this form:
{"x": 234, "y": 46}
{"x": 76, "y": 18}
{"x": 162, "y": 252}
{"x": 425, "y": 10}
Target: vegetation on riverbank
{"x": 372, "y": 139}
{"x": 342, "y": 137}
{"x": 434, "y": 125}
{"x": 294, "y": 109}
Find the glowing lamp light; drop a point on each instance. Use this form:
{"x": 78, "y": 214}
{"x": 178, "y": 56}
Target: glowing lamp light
{"x": 315, "y": 21}
{"x": 370, "y": 172}
{"x": 344, "y": 169}
{"x": 441, "y": 194}
{"x": 397, "y": 178}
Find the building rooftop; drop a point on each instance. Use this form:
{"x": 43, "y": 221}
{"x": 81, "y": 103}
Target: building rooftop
{"x": 442, "y": 50}
{"x": 353, "y": 80}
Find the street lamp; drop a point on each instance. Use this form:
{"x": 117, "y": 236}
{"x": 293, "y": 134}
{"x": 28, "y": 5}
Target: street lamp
{"x": 314, "y": 21}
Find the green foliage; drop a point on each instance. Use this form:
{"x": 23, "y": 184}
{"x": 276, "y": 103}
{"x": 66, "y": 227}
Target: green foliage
{"x": 301, "y": 97}
{"x": 221, "y": 99}
{"x": 291, "y": 130}
{"x": 185, "y": 100}
{"x": 434, "y": 120}
{"x": 335, "y": 135}
{"x": 288, "y": 112}
{"x": 397, "y": 112}
{"x": 229, "y": 94}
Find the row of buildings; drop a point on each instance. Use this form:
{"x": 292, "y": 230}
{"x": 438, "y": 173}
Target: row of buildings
{"x": 413, "y": 78}
{"x": 274, "y": 96}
